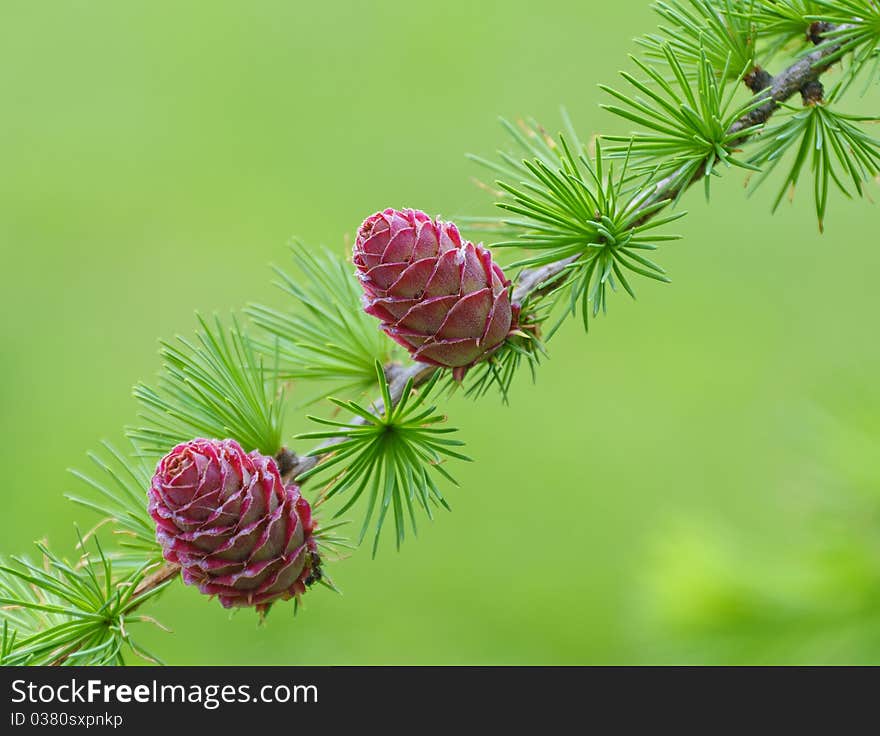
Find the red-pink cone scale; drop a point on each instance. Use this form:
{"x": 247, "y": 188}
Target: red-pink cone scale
{"x": 228, "y": 520}
{"x": 441, "y": 297}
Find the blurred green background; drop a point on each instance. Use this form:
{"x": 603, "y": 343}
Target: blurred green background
{"x": 695, "y": 481}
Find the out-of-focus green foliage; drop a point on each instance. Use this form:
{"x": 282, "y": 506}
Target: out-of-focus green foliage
{"x": 810, "y": 592}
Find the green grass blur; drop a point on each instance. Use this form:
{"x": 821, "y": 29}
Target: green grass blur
{"x": 660, "y": 495}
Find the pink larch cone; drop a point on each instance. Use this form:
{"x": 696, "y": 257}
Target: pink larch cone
{"x": 441, "y": 297}
{"x": 229, "y": 521}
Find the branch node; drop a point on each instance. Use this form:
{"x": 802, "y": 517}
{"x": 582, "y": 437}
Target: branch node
{"x": 287, "y": 460}
{"x": 758, "y": 79}
{"x": 813, "y": 93}
{"x": 817, "y": 30}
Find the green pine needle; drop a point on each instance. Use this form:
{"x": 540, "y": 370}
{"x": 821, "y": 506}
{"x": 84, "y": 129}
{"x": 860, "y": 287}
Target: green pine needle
{"x": 784, "y": 21}
{"x": 836, "y": 149}
{"x": 217, "y": 388}
{"x": 570, "y": 206}
{"x": 58, "y": 612}
{"x": 685, "y": 124}
{"x": 857, "y": 35}
{"x": 119, "y": 494}
{"x": 387, "y": 457}
{"x": 328, "y": 337}
{"x": 330, "y": 543}
{"x": 720, "y": 30}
